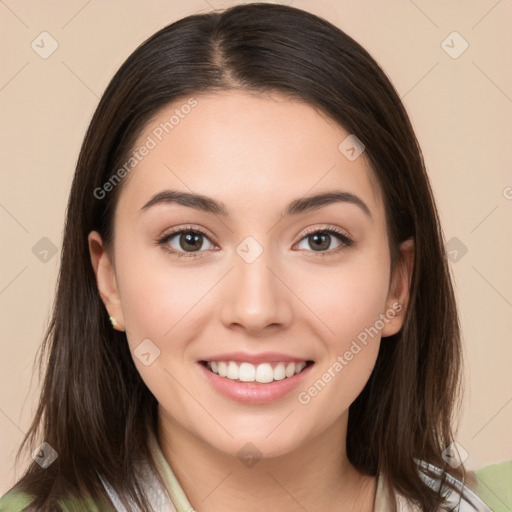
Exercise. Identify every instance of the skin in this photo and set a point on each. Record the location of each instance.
(255, 154)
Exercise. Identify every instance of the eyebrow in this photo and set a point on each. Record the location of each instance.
(298, 206)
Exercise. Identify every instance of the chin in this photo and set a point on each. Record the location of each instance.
(263, 443)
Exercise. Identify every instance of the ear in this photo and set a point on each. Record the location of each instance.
(106, 278)
(399, 289)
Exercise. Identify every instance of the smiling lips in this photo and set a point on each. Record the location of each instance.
(262, 373)
(255, 379)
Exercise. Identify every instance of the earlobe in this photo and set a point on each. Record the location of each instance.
(399, 289)
(106, 278)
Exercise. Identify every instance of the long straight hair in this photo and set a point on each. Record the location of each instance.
(95, 410)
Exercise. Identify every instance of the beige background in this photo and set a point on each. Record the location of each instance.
(460, 108)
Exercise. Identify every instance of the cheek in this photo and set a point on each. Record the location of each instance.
(165, 303)
(159, 301)
(350, 302)
(347, 298)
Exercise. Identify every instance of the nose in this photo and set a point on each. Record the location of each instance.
(257, 299)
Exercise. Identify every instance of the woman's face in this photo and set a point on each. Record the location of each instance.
(263, 289)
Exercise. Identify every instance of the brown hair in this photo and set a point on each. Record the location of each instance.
(94, 407)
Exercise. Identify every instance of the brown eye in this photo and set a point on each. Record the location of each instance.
(319, 241)
(186, 242)
(322, 240)
(190, 241)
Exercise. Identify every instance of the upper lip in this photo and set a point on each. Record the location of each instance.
(264, 357)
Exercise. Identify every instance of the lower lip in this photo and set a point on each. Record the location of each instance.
(254, 392)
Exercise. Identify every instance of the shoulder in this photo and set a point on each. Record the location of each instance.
(15, 501)
(494, 485)
(458, 496)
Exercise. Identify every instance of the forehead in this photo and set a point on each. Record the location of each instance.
(250, 151)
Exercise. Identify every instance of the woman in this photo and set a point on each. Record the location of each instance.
(253, 288)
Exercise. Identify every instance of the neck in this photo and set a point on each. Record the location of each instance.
(312, 477)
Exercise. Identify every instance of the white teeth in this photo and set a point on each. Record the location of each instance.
(232, 371)
(246, 373)
(223, 370)
(299, 367)
(279, 372)
(263, 373)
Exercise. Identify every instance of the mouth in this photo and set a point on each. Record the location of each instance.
(262, 373)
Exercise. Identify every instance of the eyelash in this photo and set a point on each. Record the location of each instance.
(346, 242)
